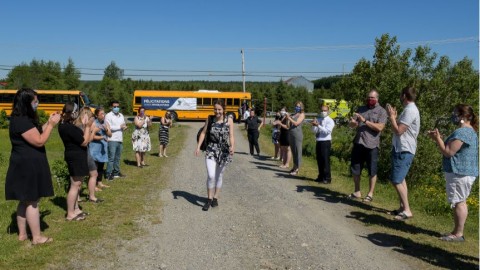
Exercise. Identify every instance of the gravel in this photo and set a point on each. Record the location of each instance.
(265, 220)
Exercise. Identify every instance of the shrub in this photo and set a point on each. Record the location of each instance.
(61, 174)
(42, 116)
(3, 119)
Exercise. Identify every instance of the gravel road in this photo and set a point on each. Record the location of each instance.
(265, 220)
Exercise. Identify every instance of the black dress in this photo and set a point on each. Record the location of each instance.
(75, 154)
(28, 175)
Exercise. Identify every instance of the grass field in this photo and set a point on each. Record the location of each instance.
(132, 200)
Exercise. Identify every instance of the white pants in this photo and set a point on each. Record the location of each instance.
(214, 174)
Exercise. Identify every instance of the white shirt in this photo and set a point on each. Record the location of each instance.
(407, 142)
(323, 132)
(115, 121)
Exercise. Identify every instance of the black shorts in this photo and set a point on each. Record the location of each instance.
(362, 155)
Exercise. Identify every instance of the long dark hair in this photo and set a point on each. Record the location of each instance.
(22, 105)
(466, 111)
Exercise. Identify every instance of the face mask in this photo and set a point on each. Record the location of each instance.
(323, 114)
(116, 110)
(298, 109)
(34, 106)
(371, 102)
(142, 113)
(455, 119)
(282, 113)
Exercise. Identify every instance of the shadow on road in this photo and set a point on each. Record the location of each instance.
(432, 255)
(191, 198)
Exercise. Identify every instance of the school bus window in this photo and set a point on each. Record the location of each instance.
(236, 102)
(207, 101)
(199, 102)
(138, 100)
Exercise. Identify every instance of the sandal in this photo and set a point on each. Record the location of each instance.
(294, 172)
(48, 240)
(367, 199)
(452, 238)
(402, 216)
(353, 197)
(78, 217)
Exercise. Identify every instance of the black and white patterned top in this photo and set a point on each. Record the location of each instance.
(219, 143)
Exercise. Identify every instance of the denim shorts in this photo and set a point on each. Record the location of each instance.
(458, 187)
(401, 162)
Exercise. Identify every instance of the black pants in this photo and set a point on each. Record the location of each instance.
(322, 151)
(100, 170)
(253, 140)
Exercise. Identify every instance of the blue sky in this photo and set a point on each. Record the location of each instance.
(179, 39)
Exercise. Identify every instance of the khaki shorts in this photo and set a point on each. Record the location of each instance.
(458, 187)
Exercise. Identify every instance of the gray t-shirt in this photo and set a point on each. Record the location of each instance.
(365, 135)
(407, 142)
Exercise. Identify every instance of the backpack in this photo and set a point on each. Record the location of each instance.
(203, 147)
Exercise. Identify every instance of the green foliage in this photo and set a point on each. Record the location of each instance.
(42, 116)
(3, 119)
(113, 72)
(37, 75)
(71, 76)
(61, 175)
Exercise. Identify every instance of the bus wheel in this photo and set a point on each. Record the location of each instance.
(232, 115)
(174, 116)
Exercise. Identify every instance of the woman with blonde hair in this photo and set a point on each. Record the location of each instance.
(284, 124)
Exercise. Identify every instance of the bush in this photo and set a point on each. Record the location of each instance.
(42, 117)
(3, 119)
(61, 174)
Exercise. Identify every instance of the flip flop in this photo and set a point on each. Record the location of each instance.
(452, 238)
(353, 197)
(402, 216)
(48, 240)
(78, 217)
(367, 199)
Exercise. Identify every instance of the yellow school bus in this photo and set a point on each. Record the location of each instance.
(188, 105)
(49, 100)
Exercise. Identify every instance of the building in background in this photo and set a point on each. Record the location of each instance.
(300, 81)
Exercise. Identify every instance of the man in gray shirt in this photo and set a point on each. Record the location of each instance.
(404, 141)
(369, 120)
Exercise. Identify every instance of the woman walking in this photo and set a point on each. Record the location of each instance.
(460, 165)
(28, 176)
(163, 134)
(140, 137)
(219, 153)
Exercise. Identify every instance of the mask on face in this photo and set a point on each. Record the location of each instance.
(298, 109)
(35, 106)
(455, 119)
(371, 102)
(116, 110)
(282, 113)
(323, 114)
(142, 113)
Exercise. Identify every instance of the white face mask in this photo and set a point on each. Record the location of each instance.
(323, 114)
(282, 113)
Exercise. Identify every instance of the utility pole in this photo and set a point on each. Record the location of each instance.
(243, 68)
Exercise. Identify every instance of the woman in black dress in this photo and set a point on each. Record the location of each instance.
(28, 176)
(75, 141)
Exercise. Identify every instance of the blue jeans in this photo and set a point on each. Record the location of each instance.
(114, 154)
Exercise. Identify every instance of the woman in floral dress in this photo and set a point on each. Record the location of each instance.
(141, 137)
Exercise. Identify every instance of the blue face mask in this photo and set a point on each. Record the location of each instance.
(298, 109)
(455, 119)
(35, 106)
(116, 110)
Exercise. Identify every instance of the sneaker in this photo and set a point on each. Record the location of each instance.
(207, 205)
(119, 175)
(110, 177)
(214, 202)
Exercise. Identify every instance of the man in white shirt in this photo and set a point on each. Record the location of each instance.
(115, 143)
(322, 128)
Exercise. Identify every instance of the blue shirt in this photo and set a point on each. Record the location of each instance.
(465, 161)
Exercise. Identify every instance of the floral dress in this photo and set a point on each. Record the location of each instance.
(141, 138)
(219, 143)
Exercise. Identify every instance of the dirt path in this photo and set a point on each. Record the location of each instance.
(264, 221)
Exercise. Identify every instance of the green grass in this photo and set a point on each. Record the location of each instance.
(108, 223)
(418, 236)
